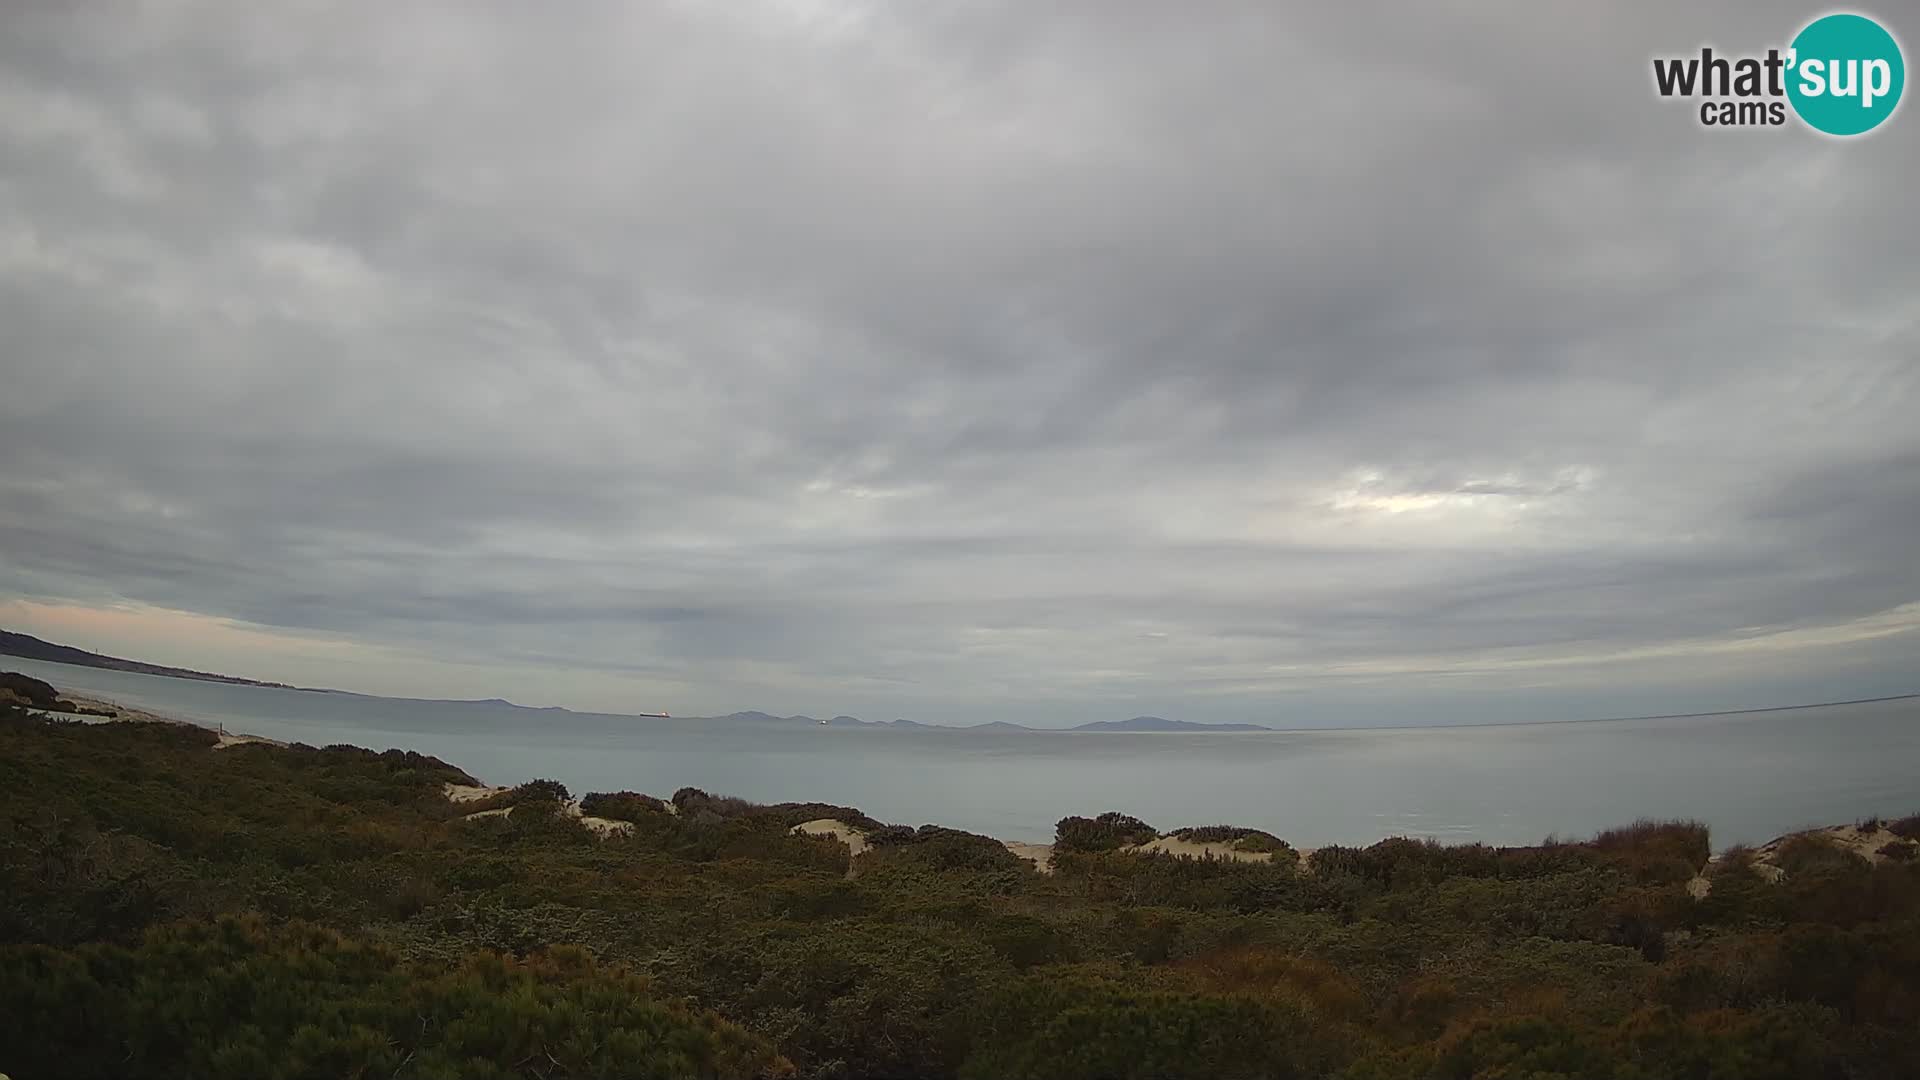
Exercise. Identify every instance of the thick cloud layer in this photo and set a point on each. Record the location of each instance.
(1236, 363)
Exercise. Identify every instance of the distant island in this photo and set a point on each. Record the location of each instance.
(1138, 723)
(1160, 723)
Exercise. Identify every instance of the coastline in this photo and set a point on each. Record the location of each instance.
(1865, 838)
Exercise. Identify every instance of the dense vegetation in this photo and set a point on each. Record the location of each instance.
(170, 910)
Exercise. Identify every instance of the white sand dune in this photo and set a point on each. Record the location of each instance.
(1864, 842)
(855, 839)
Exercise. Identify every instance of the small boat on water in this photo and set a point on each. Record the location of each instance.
(654, 715)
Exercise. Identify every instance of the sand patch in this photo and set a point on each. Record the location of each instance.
(855, 839)
(227, 740)
(1864, 842)
(459, 793)
(122, 713)
(1187, 849)
(1040, 855)
(602, 827)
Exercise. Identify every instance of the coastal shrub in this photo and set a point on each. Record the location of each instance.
(945, 849)
(1107, 832)
(1261, 843)
(542, 791)
(1906, 827)
(700, 807)
(891, 836)
(944, 955)
(1400, 862)
(621, 805)
(1162, 880)
(1811, 853)
(1054, 1028)
(1282, 974)
(1241, 839)
(1025, 941)
(1780, 1044)
(1656, 851)
(300, 1000)
(795, 813)
(1898, 851)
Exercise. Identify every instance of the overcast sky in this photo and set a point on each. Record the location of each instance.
(1049, 362)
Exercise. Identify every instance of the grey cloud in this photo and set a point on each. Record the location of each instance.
(947, 359)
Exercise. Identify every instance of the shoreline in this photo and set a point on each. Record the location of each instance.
(129, 714)
(1199, 728)
(1864, 838)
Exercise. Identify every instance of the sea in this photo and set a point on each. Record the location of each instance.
(1750, 776)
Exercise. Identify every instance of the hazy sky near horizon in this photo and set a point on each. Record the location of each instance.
(1066, 362)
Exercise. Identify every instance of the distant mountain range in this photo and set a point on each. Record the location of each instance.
(1160, 723)
(32, 648)
(1138, 723)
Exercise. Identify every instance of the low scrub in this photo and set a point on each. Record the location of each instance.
(1108, 832)
(622, 805)
(1240, 839)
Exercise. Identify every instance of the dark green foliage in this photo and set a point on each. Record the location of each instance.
(947, 849)
(1108, 832)
(1652, 850)
(1068, 1028)
(1250, 840)
(621, 805)
(465, 944)
(699, 806)
(542, 791)
(240, 999)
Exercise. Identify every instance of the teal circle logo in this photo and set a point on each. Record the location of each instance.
(1845, 74)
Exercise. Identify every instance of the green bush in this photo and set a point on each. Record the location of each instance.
(239, 999)
(621, 805)
(1108, 832)
(1063, 1028)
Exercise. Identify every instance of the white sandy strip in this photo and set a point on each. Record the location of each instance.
(130, 715)
(464, 793)
(1187, 849)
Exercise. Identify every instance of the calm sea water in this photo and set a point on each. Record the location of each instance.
(1751, 776)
